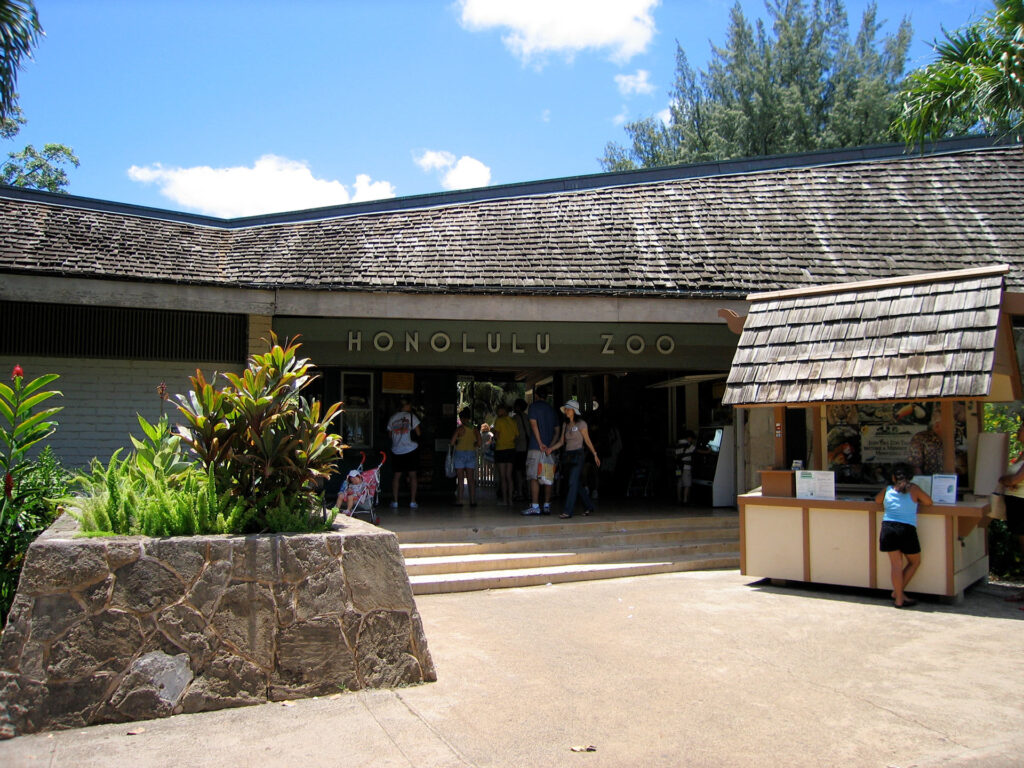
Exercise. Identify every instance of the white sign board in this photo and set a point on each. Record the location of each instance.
(924, 482)
(815, 485)
(943, 489)
(990, 463)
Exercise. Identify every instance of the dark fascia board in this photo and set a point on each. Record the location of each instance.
(525, 189)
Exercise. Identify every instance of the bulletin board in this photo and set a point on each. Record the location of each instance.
(864, 441)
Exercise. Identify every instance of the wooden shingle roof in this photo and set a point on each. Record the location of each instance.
(930, 336)
(696, 236)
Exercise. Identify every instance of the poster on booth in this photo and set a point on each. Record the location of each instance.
(944, 489)
(812, 484)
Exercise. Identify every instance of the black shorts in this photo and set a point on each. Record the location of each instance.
(1015, 514)
(405, 462)
(519, 462)
(505, 457)
(899, 537)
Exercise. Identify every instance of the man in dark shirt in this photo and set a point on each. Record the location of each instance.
(543, 433)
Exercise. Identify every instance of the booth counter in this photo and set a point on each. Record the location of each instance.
(836, 542)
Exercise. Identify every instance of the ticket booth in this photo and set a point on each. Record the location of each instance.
(885, 371)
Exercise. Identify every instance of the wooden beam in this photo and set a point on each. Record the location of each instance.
(948, 438)
(818, 446)
(780, 437)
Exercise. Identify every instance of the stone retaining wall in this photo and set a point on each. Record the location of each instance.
(129, 628)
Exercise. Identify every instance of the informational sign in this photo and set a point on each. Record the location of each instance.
(885, 443)
(944, 489)
(396, 383)
(864, 441)
(815, 485)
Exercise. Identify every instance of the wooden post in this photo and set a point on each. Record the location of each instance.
(780, 437)
(817, 439)
(948, 438)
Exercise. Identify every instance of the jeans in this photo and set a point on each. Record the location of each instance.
(574, 467)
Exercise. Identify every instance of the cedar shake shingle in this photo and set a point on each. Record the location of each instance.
(906, 352)
(700, 236)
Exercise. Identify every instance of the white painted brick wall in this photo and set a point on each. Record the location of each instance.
(102, 397)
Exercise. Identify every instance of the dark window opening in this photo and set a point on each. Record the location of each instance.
(62, 330)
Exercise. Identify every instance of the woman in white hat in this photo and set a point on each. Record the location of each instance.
(575, 436)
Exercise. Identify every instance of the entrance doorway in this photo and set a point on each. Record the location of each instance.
(482, 394)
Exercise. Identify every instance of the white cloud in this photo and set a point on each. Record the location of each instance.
(638, 83)
(665, 116)
(620, 118)
(272, 184)
(465, 173)
(431, 160)
(538, 27)
(545, 116)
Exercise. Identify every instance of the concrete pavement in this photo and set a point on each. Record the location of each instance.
(680, 669)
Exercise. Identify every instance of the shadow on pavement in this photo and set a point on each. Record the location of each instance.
(987, 600)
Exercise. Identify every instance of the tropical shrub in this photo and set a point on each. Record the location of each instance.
(154, 491)
(262, 441)
(250, 458)
(29, 485)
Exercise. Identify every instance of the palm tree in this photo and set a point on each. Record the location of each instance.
(975, 85)
(19, 32)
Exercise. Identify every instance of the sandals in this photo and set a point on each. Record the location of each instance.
(907, 603)
(565, 516)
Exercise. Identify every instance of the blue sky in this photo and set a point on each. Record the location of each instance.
(238, 107)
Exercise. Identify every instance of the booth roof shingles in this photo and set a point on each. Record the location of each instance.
(707, 236)
(924, 340)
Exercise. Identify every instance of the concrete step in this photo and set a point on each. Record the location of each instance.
(548, 551)
(527, 577)
(565, 540)
(545, 526)
(463, 563)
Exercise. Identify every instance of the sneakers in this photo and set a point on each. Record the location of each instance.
(546, 510)
(394, 505)
(532, 510)
(413, 505)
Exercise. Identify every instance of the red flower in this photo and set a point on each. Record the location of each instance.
(9, 485)
(17, 372)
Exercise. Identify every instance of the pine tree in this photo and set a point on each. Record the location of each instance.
(800, 86)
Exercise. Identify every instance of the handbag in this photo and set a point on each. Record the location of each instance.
(449, 462)
(547, 470)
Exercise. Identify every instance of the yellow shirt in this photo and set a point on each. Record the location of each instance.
(467, 440)
(507, 431)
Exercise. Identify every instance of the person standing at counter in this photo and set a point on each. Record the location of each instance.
(926, 446)
(1013, 490)
(899, 530)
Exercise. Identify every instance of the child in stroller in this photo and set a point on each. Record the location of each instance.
(360, 489)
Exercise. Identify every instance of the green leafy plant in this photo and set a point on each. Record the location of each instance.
(262, 441)
(29, 485)
(126, 497)
(1005, 558)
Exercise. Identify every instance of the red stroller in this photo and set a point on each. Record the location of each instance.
(366, 492)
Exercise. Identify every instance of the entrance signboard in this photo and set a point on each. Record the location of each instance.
(433, 343)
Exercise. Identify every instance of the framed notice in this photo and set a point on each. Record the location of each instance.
(815, 485)
(396, 383)
(943, 489)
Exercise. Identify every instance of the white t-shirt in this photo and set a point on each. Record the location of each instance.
(401, 426)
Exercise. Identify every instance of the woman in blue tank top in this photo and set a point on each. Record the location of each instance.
(899, 530)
